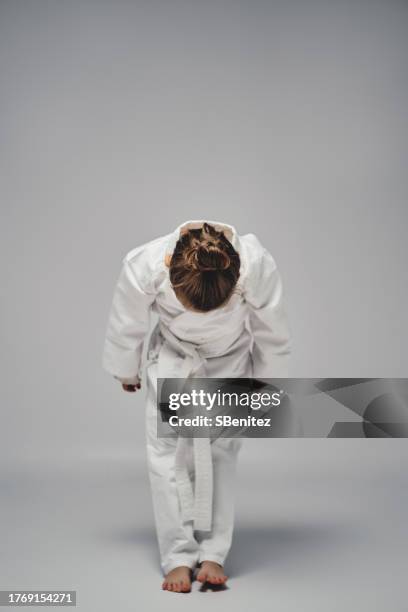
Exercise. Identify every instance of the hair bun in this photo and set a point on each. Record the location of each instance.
(204, 268)
(207, 257)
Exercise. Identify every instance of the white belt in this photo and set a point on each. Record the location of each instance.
(196, 505)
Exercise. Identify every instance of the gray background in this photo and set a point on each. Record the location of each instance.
(119, 121)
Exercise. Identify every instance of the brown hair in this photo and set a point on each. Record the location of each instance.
(204, 268)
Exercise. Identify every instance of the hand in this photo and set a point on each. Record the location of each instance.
(129, 384)
(131, 388)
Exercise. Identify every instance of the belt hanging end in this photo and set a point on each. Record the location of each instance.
(202, 524)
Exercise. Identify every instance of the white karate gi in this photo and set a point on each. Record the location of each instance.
(192, 480)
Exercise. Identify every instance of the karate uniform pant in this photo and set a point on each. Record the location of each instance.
(179, 543)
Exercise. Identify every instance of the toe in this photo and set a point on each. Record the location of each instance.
(214, 579)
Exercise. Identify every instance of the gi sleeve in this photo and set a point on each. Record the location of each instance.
(268, 319)
(128, 323)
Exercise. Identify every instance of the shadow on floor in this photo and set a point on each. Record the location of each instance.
(258, 547)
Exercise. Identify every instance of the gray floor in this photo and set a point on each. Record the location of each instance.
(322, 527)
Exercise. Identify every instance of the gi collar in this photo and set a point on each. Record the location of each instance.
(229, 232)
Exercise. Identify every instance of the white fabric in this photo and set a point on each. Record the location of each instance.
(179, 541)
(195, 505)
(248, 336)
(131, 380)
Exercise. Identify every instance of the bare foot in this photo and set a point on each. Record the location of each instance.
(211, 572)
(178, 580)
